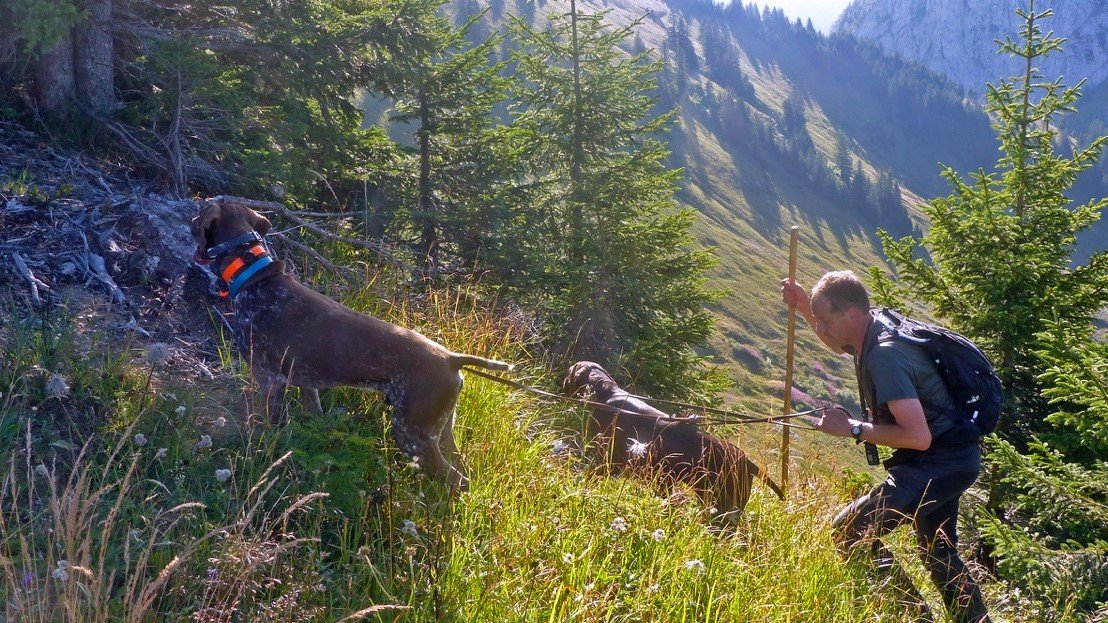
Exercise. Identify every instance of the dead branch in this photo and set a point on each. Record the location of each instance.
(96, 267)
(338, 270)
(35, 282)
(292, 216)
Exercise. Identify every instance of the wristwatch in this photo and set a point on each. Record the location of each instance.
(856, 431)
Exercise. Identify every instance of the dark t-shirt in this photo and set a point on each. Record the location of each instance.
(897, 370)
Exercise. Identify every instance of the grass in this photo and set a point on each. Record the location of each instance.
(178, 506)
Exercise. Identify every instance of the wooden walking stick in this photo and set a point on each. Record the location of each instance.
(789, 365)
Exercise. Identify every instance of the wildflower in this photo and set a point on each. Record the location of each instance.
(28, 580)
(40, 470)
(57, 387)
(160, 454)
(364, 551)
(157, 353)
(567, 558)
(220, 422)
(409, 527)
(694, 565)
(222, 474)
(205, 441)
(658, 535)
(213, 573)
(636, 448)
(140, 440)
(180, 410)
(619, 524)
(414, 464)
(559, 447)
(61, 573)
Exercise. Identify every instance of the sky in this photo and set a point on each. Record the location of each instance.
(822, 12)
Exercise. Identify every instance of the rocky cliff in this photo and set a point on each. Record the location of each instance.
(957, 37)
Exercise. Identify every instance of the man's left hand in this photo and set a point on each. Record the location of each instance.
(836, 421)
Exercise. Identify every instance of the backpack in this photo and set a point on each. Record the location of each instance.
(964, 369)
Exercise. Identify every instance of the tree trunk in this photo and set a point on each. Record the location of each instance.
(53, 86)
(94, 60)
(429, 240)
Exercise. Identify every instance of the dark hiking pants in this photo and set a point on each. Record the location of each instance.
(929, 499)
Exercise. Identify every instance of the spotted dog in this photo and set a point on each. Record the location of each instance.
(294, 336)
(630, 435)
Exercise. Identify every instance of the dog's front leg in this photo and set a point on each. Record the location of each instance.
(273, 390)
(310, 396)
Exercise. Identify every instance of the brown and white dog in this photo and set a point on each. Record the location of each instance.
(293, 336)
(633, 435)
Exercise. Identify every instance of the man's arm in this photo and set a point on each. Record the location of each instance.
(909, 430)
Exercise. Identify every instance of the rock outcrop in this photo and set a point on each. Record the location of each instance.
(958, 37)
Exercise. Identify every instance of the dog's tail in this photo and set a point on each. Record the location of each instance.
(473, 360)
(760, 475)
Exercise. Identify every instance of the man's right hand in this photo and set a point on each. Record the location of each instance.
(794, 294)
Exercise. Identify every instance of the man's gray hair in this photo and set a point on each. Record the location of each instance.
(842, 289)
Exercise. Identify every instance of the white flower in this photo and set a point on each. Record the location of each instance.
(205, 441)
(567, 558)
(559, 447)
(658, 535)
(57, 387)
(180, 410)
(61, 573)
(157, 353)
(160, 454)
(222, 475)
(694, 565)
(619, 524)
(40, 470)
(636, 448)
(140, 440)
(220, 422)
(409, 527)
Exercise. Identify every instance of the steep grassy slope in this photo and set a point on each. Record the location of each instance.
(184, 507)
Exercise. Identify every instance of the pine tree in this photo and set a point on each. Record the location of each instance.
(1002, 243)
(448, 89)
(606, 239)
(1003, 273)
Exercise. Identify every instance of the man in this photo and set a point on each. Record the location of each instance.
(935, 459)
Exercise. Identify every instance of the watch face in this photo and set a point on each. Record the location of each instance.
(856, 430)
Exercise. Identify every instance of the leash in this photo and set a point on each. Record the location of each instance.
(723, 417)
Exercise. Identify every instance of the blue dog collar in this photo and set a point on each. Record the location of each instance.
(241, 279)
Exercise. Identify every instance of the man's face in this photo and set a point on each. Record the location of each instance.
(833, 327)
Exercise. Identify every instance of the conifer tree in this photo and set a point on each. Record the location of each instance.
(448, 89)
(1003, 273)
(605, 238)
(1003, 242)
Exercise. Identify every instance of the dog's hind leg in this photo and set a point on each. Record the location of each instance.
(423, 445)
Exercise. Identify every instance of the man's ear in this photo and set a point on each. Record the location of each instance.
(258, 222)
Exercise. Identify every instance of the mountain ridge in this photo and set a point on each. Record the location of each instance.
(957, 37)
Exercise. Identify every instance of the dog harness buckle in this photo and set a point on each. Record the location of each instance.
(242, 268)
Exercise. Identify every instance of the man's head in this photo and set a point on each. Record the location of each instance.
(840, 305)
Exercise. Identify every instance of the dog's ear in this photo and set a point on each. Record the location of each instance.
(571, 385)
(567, 383)
(209, 214)
(258, 222)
